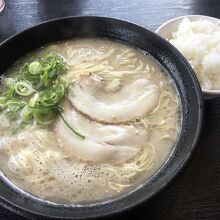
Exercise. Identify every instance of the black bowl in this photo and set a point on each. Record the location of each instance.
(177, 67)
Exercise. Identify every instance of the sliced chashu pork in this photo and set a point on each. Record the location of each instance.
(133, 99)
(102, 143)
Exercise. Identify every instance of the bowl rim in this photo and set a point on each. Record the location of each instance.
(208, 92)
(26, 212)
(182, 17)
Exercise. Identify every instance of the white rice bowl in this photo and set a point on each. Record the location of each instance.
(199, 42)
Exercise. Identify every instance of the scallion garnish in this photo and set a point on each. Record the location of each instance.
(37, 90)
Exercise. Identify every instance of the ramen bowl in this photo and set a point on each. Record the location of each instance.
(168, 57)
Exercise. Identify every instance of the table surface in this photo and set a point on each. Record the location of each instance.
(196, 192)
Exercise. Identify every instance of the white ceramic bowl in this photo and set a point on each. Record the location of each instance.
(166, 29)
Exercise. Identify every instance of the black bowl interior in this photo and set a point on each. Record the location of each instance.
(164, 53)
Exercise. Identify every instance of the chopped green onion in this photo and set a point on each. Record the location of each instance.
(2, 102)
(27, 114)
(63, 81)
(35, 68)
(51, 97)
(44, 118)
(23, 88)
(9, 84)
(68, 125)
(26, 75)
(14, 105)
(37, 90)
(33, 100)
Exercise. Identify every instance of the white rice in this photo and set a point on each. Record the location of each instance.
(199, 42)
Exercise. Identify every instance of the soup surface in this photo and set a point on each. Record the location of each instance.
(116, 123)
